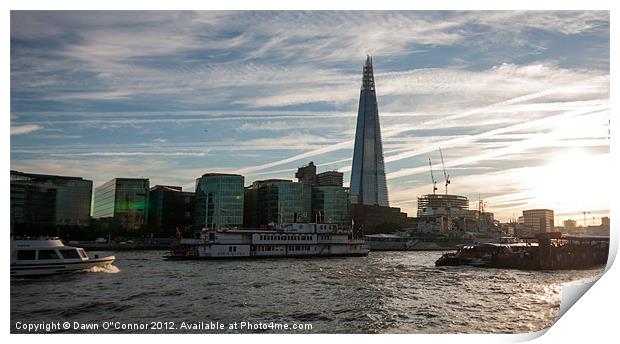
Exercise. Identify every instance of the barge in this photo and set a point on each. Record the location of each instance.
(285, 240)
(548, 251)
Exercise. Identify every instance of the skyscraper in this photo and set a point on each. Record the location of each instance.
(368, 186)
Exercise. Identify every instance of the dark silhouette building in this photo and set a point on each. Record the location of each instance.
(170, 207)
(307, 174)
(49, 200)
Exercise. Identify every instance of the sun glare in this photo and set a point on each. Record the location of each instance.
(571, 182)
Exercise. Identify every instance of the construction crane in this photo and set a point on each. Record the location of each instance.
(584, 218)
(481, 204)
(445, 175)
(432, 177)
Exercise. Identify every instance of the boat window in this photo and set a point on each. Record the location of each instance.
(69, 254)
(48, 254)
(83, 254)
(26, 255)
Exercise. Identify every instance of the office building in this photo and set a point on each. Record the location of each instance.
(538, 220)
(330, 178)
(332, 204)
(219, 201)
(375, 219)
(368, 184)
(170, 208)
(307, 174)
(123, 202)
(570, 225)
(50, 200)
(276, 201)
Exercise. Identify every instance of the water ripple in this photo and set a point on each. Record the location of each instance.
(386, 292)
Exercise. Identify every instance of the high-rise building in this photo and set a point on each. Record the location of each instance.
(41, 199)
(538, 220)
(277, 201)
(329, 178)
(219, 201)
(170, 207)
(570, 224)
(368, 185)
(307, 174)
(124, 202)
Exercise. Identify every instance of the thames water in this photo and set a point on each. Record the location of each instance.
(386, 292)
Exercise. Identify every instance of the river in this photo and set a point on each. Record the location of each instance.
(386, 292)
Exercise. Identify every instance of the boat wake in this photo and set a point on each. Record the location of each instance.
(109, 269)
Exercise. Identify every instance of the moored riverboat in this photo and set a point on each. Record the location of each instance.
(285, 240)
(546, 251)
(516, 255)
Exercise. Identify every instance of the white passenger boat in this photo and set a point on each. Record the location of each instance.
(286, 240)
(50, 256)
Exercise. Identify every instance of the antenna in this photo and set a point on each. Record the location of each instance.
(432, 177)
(445, 175)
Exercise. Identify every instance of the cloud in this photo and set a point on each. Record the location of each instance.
(24, 129)
(112, 56)
(257, 92)
(568, 83)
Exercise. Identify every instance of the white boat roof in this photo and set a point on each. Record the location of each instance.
(382, 235)
(34, 244)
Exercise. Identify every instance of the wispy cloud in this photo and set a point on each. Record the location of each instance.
(260, 93)
(24, 129)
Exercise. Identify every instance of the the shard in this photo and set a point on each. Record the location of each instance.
(368, 184)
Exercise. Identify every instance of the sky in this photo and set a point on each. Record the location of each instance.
(517, 101)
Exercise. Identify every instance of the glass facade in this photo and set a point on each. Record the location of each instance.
(332, 204)
(368, 184)
(278, 201)
(49, 199)
(170, 207)
(219, 201)
(125, 200)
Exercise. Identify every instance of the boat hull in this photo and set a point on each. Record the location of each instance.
(357, 254)
(60, 267)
